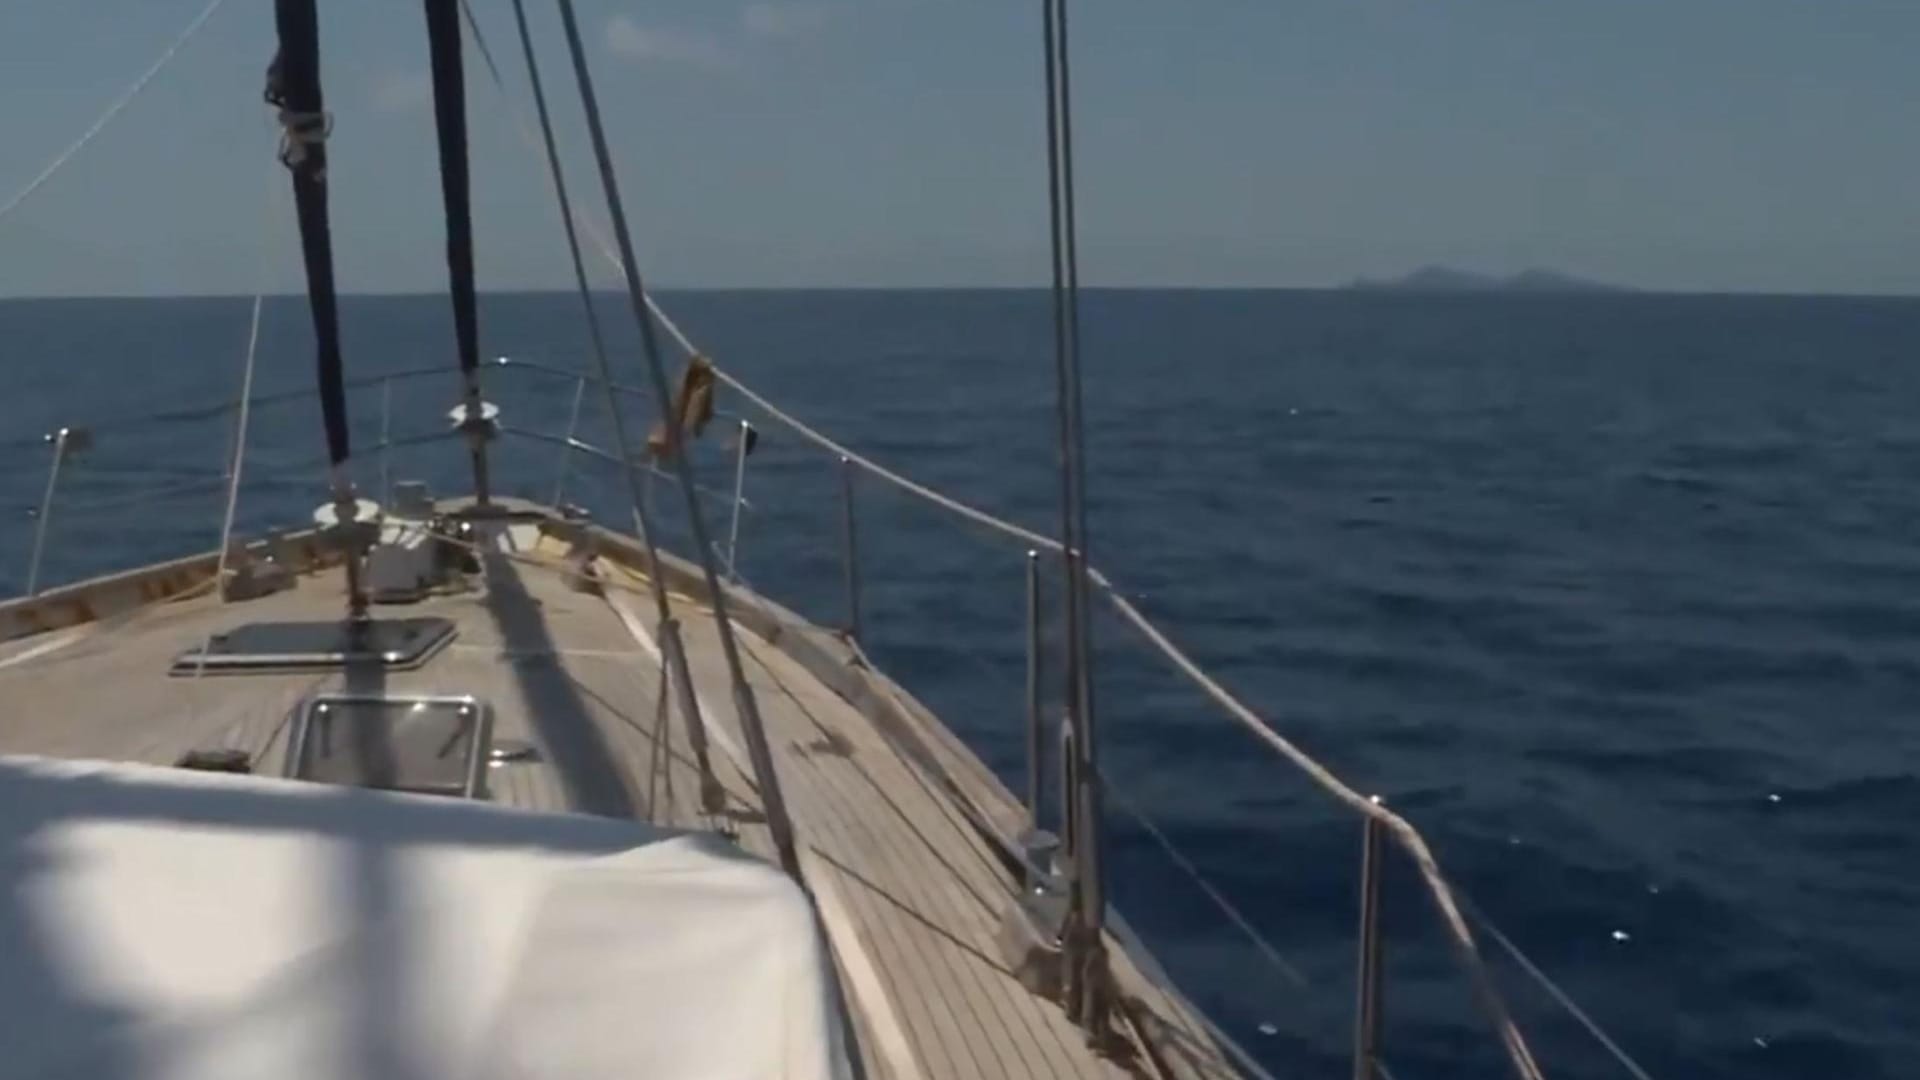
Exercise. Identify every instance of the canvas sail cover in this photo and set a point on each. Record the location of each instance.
(171, 924)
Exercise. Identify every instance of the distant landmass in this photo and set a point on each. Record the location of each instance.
(1450, 279)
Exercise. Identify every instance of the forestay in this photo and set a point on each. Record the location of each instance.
(167, 923)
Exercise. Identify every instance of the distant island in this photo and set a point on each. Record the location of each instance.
(1447, 279)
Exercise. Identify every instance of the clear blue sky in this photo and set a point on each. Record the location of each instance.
(1695, 144)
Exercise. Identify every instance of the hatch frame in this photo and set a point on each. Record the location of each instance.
(431, 634)
(479, 752)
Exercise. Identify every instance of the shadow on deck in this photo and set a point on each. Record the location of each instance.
(558, 716)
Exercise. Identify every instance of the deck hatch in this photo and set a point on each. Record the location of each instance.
(393, 644)
(431, 745)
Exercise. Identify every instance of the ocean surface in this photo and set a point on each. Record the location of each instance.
(1616, 597)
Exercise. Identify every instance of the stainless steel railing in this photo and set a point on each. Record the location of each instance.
(72, 446)
(1378, 823)
(1381, 828)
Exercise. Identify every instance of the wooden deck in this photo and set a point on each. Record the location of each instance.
(900, 829)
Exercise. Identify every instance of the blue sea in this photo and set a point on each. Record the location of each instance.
(1616, 597)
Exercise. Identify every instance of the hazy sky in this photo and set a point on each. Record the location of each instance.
(1699, 144)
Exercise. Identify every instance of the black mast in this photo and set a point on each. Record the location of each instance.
(293, 86)
(450, 122)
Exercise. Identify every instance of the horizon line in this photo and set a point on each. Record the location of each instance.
(1348, 288)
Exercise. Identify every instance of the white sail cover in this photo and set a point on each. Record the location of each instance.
(165, 924)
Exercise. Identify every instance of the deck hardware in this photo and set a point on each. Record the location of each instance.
(249, 577)
(506, 752)
(1033, 926)
(479, 421)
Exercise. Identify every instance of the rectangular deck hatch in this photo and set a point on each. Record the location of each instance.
(392, 644)
(432, 745)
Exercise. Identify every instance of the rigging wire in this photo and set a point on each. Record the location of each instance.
(1553, 989)
(1265, 947)
(113, 109)
(749, 711)
(221, 408)
(673, 657)
(218, 483)
(586, 221)
(1089, 993)
(567, 217)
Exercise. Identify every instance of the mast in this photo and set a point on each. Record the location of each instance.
(471, 416)
(293, 86)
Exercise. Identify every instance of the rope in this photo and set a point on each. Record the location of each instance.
(114, 109)
(1409, 838)
(300, 132)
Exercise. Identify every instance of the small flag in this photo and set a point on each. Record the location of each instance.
(692, 405)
